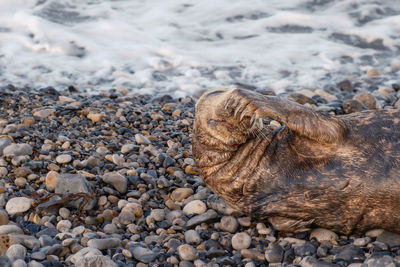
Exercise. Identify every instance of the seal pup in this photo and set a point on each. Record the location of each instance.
(337, 172)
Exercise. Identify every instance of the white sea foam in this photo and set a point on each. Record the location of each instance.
(180, 47)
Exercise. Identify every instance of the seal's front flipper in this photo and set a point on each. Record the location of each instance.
(298, 118)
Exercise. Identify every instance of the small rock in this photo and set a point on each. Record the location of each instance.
(325, 95)
(125, 149)
(64, 226)
(85, 252)
(274, 253)
(63, 159)
(362, 241)
(10, 229)
(15, 150)
(180, 194)
(192, 237)
(383, 261)
(35, 264)
(345, 86)
(202, 218)
(19, 263)
(244, 221)
(44, 113)
(373, 73)
(214, 202)
(187, 252)
(253, 254)
(323, 235)
(351, 106)
(228, 224)
(143, 254)
(104, 243)
(262, 229)
(4, 142)
(95, 261)
(18, 205)
(374, 233)
(3, 217)
(51, 180)
(142, 140)
(241, 241)
(389, 238)
(94, 117)
(117, 180)
(195, 207)
(367, 99)
(305, 249)
(15, 252)
(313, 262)
(64, 212)
(3, 171)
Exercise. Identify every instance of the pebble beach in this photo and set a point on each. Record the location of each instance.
(108, 179)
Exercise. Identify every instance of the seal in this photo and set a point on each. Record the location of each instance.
(337, 172)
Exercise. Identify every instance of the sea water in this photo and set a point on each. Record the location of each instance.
(180, 47)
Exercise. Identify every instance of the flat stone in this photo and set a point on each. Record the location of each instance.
(35, 264)
(9, 229)
(384, 261)
(18, 205)
(63, 159)
(180, 194)
(104, 243)
(75, 183)
(202, 218)
(15, 150)
(389, 238)
(274, 253)
(117, 180)
(195, 207)
(44, 113)
(253, 254)
(143, 254)
(19, 263)
(125, 149)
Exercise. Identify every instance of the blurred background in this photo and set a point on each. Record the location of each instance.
(180, 47)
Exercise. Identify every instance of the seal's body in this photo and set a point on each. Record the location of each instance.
(340, 173)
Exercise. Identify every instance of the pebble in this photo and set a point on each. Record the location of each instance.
(274, 253)
(195, 207)
(104, 243)
(351, 106)
(143, 254)
(3, 171)
(15, 150)
(117, 180)
(389, 238)
(241, 241)
(64, 226)
(51, 180)
(18, 205)
(187, 252)
(321, 234)
(95, 261)
(125, 149)
(95, 117)
(192, 237)
(142, 140)
(228, 224)
(15, 252)
(202, 218)
(83, 253)
(362, 241)
(19, 263)
(180, 194)
(4, 142)
(44, 113)
(367, 99)
(63, 159)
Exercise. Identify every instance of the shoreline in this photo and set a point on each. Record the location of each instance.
(109, 179)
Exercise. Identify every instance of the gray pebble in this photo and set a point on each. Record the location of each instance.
(64, 225)
(274, 253)
(4, 142)
(117, 180)
(195, 207)
(19, 263)
(142, 140)
(95, 261)
(15, 252)
(389, 238)
(104, 243)
(192, 237)
(35, 264)
(362, 241)
(205, 217)
(143, 254)
(18, 205)
(15, 150)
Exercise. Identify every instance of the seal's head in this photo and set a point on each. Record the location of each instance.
(223, 130)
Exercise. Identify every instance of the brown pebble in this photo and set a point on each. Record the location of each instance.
(191, 170)
(367, 99)
(113, 199)
(172, 205)
(28, 121)
(53, 167)
(20, 181)
(373, 72)
(3, 217)
(180, 194)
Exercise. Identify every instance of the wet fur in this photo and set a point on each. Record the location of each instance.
(340, 173)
